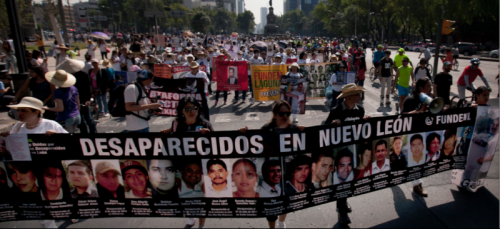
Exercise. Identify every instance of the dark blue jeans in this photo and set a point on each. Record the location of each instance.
(86, 121)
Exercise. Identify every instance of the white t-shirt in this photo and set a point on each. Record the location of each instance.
(46, 125)
(130, 195)
(87, 67)
(306, 61)
(337, 87)
(116, 66)
(201, 75)
(133, 122)
(102, 47)
(253, 61)
(295, 101)
(421, 74)
(90, 50)
(169, 62)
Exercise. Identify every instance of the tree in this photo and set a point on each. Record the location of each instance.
(201, 22)
(246, 22)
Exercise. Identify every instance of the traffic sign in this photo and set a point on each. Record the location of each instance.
(151, 13)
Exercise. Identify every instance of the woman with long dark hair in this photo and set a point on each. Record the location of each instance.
(278, 123)
(190, 119)
(52, 182)
(40, 89)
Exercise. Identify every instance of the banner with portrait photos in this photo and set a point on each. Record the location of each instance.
(168, 93)
(232, 75)
(225, 173)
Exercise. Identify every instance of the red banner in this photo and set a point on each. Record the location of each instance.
(291, 60)
(232, 76)
(163, 71)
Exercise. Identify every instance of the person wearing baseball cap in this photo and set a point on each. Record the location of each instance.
(108, 181)
(348, 111)
(398, 59)
(136, 179)
(442, 84)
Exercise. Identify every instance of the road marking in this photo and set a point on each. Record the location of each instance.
(252, 116)
(222, 118)
(163, 120)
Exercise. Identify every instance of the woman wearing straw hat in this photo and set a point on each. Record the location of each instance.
(346, 112)
(111, 74)
(66, 98)
(30, 112)
(62, 55)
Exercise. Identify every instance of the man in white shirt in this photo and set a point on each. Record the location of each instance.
(189, 58)
(217, 172)
(271, 172)
(196, 73)
(381, 164)
(417, 151)
(141, 59)
(298, 97)
(294, 73)
(343, 166)
(189, 186)
(137, 103)
(254, 60)
(169, 58)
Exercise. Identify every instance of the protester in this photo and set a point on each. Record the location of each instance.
(111, 74)
(31, 122)
(10, 57)
(41, 45)
(337, 87)
(442, 84)
(360, 76)
(386, 72)
(377, 58)
(347, 111)
(137, 104)
(422, 71)
(103, 47)
(100, 86)
(115, 61)
(91, 48)
(197, 74)
(413, 105)
(38, 62)
(403, 80)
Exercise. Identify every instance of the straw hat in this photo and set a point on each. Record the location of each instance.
(288, 51)
(277, 56)
(142, 53)
(194, 64)
(29, 102)
(60, 78)
(210, 49)
(295, 65)
(350, 89)
(71, 66)
(63, 47)
(189, 56)
(106, 63)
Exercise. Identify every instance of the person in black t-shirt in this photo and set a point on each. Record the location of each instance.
(387, 72)
(413, 105)
(347, 112)
(190, 119)
(442, 84)
(279, 122)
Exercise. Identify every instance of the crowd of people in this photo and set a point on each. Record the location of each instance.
(64, 96)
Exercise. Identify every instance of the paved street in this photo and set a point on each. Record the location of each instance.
(446, 206)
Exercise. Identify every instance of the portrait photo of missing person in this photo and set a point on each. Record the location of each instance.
(321, 167)
(464, 135)
(416, 147)
(433, 142)
(380, 163)
(297, 96)
(162, 178)
(218, 180)
(24, 180)
(398, 157)
(272, 174)
(344, 163)
(364, 160)
(136, 179)
(449, 142)
(191, 183)
(52, 181)
(80, 178)
(298, 174)
(245, 178)
(5, 154)
(109, 179)
(232, 75)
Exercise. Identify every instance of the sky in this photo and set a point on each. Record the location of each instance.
(251, 5)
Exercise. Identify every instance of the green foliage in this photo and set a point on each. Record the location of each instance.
(246, 22)
(201, 22)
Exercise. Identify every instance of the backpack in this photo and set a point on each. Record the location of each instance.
(116, 104)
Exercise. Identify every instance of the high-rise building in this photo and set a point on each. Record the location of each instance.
(241, 6)
(82, 19)
(263, 16)
(308, 5)
(290, 5)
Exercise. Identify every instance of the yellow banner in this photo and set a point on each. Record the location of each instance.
(266, 81)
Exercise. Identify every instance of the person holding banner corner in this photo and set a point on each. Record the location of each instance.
(348, 111)
(413, 105)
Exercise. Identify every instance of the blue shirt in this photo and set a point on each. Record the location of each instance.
(111, 74)
(1, 88)
(378, 55)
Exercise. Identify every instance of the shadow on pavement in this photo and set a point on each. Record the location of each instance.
(468, 210)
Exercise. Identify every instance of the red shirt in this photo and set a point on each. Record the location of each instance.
(361, 74)
(473, 74)
(357, 62)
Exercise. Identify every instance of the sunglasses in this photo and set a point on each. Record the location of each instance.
(281, 114)
(188, 109)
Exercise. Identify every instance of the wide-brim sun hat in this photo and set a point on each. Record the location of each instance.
(350, 89)
(106, 63)
(29, 102)
(71, 66)
(295, 64)
(194, 64)
(63, 47)
(60, 78)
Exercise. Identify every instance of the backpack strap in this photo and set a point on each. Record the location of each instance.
(137, 102)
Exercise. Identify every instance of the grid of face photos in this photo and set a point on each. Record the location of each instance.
(257, 177)
(319, 78)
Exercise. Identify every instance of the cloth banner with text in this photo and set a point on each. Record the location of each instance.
(232, 76)
(168, 92)
(266, 81)
(177, 170)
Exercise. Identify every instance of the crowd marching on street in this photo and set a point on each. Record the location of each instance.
(61, 98)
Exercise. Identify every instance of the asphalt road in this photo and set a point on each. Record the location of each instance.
(394, 207)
